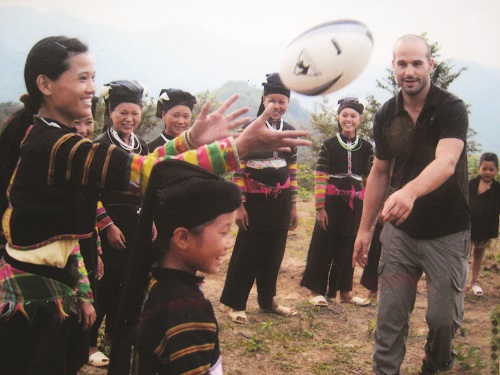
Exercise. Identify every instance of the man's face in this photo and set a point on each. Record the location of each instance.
(412, 67)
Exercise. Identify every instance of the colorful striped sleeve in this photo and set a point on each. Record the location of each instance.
(102, 218)
(239, 178)
(294, 185)
(83, 290)
(320, 179)
(219, 157)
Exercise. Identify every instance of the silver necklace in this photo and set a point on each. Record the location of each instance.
(350, 146)
(134, 141)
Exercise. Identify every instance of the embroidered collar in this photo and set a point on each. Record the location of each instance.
(349, 146)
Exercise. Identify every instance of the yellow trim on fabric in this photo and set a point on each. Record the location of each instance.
(71, 154)
(53, 153)
(88, 163)
(105, 166)
(54, 254)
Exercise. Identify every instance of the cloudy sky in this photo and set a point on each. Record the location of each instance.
(465, 29)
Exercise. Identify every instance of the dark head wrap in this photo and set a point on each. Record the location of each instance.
(95, 100)
(178, 195)
(171, 97)
(350, 102)
(272, 86)
(122, 91)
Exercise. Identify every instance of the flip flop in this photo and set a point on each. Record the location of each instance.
(357, 301)
(477, 290)
(281, 310)
(318, 301)
(238, 316)
(98, 359)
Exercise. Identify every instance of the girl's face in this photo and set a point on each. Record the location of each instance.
(349, 120)
(84, 127)
(126, 117)
(70, 96)
(209, 248)
(488, 171)
(280, 104)
(177, 119)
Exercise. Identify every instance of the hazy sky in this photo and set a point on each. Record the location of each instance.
(465, 29)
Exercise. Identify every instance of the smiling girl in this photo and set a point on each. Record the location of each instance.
(344, 162)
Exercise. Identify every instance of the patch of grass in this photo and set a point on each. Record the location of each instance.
(343, 355)
(469, 359)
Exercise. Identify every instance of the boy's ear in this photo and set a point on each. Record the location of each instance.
(181, 238)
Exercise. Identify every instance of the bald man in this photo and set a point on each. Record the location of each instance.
(420, 136)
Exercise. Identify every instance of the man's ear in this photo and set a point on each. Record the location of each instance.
(44, 84)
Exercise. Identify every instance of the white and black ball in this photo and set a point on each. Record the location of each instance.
(326, 57)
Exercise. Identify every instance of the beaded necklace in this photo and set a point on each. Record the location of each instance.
(134, 145)
(349, 146)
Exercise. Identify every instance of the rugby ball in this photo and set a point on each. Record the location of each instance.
(326, 57)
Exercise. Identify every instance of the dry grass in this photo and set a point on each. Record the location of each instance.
(338, 339)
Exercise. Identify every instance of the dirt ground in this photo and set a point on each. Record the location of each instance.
(339, 339)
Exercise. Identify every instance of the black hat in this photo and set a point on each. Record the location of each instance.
(188, 196)
(272, 86)
(122, 91)
(171, 97)
(350, 103)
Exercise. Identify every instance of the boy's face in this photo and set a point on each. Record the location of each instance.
(488, 171)
(211, 246)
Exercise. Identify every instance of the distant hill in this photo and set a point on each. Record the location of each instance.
(184, 58)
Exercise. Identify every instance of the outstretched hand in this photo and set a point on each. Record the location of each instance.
(210, 127)
(258, 137)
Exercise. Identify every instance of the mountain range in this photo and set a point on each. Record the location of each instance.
(198, 60)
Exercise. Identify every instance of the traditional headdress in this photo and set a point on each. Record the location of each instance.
(350, 102)
(171, 97)
(122, 91)
(272, 86)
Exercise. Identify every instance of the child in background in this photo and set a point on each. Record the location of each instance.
(177, 330)
(484, 202)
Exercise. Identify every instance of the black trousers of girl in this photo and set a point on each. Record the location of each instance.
(329, 259)
(329, 263)
(258, 252)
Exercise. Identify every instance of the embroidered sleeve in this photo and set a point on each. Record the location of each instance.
(292, 172)
(102, 218)
(219, 157)
(321, 177)
(83, 290)
(239, 178)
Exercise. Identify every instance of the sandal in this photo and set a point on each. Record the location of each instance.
(98, 359)
(319, 301)
(238, 316)
(357, 301)
(477, 290)
(281, 310)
